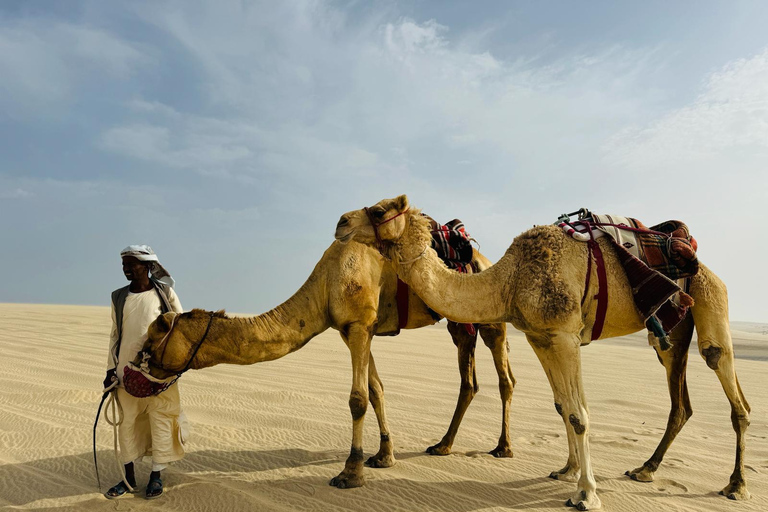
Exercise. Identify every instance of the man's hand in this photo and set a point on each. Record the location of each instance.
(111, 376)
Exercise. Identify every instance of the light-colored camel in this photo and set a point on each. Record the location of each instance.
(537, 286)
(352, 289)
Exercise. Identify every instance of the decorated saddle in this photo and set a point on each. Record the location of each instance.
(657, 260)
(452, 244)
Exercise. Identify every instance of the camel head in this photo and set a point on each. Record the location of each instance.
(173, 339)
(386, 218)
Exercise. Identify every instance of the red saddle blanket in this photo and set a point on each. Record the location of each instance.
(452, 243)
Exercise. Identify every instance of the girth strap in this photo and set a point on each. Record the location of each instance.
(602, 286)
(402, 304)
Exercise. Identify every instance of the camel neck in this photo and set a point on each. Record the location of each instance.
(271, 335)
(458, 297)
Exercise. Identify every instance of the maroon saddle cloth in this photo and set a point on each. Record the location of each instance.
(660, 255)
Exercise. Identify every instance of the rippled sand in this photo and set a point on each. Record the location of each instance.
(270, 436)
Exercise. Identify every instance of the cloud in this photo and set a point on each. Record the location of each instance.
(17, 193)
(194, 147)
(705, 163)
(727, 123)
(292, 112)
(45, 61)
(300, 90)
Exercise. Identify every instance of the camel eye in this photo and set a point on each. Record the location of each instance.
(378, 212)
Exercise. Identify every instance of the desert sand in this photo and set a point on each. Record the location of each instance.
(270, 436)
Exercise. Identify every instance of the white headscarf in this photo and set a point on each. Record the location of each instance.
(145, 253)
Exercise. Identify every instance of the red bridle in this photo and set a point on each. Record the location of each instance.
(375, 225)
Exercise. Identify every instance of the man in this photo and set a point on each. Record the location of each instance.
(151, 425)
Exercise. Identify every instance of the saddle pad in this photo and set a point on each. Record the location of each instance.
(668, 247)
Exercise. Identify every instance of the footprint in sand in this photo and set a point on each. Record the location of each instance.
(623, 442)
(670, 487)
(542, 439)
(676, 463)
(648, 431)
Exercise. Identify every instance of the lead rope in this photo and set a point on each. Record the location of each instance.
(115, 421)
(417, 258)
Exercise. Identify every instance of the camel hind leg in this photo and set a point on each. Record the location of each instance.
(675, 361)
(710, 314)
(466, 344)
(495, 338)
(385, 457)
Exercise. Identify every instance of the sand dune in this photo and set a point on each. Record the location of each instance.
(270, 436)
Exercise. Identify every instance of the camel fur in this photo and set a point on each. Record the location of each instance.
(351, 289)
(537, 286)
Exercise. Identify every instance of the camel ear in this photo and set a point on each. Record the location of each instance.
(401, 203)
(165, 321)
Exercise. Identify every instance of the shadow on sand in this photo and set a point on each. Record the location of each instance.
(226, 478)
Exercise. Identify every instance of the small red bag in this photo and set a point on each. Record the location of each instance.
(138, 384)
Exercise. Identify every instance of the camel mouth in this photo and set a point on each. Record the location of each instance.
(344, 237)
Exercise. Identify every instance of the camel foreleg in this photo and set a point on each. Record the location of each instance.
(385, 457)
(675, 361)
(357, 336)
(560, 356)
(572, 470)
(466, 352)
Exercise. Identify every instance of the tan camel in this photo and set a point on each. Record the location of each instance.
(537, 286)
(352, 289)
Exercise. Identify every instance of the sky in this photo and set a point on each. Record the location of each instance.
(231, 135)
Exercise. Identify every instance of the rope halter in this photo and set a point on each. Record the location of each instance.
(376, 225)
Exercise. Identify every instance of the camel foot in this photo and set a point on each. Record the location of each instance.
(584, 500)
(641, 474)
(567, 474)
(381, 461)
(736, 491)
(346, 480)
(439, 449)
(500, 452)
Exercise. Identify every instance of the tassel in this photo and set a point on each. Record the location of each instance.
(686, 300)
(654, 326)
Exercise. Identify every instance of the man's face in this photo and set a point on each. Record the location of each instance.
(133, 268)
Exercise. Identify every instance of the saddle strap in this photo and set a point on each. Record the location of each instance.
(602, 290)
(402, 304)
(593, 250)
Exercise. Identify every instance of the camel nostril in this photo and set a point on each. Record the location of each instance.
(342, 222)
